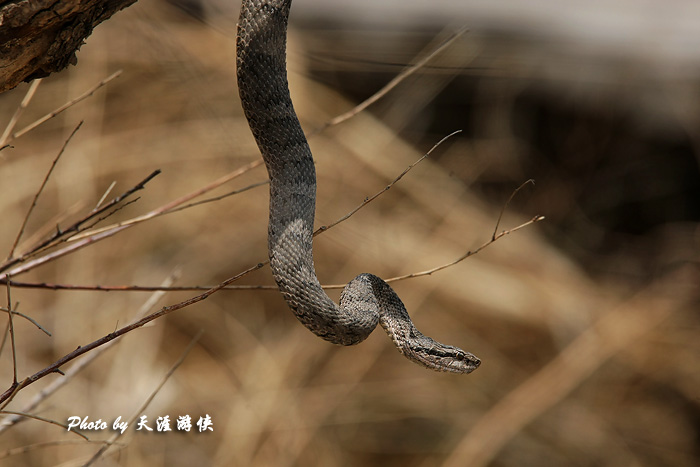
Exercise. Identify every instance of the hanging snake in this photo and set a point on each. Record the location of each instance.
(367, 300)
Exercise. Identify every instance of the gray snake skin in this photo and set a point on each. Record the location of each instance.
(367, 299)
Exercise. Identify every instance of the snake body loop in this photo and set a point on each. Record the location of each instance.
(367, 299)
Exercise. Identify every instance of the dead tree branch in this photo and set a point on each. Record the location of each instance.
(40, 37)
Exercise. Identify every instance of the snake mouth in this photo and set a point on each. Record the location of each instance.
(441, 357)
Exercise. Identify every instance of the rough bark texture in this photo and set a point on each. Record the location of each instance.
(39, 37)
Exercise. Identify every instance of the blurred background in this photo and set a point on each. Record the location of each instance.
(586, 323)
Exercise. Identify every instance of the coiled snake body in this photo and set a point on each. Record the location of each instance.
(367, 299)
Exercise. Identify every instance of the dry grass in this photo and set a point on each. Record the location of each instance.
(576, 370)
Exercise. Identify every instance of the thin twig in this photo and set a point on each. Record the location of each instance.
(503, 209)
(85, 238)
(47, 420)
(75, 227)
(14, 392)
(12, 335)
(28, 318)
(31, 447)
(48, 228)
(41, 189)
(78, 366)
(4, 337)
(147, 402)
(132, 288)
(171, 206)
(103, 232)
(140, 288)
(59, 253)
(18, 112)
(366, 201)
(390, 85)
(463, 257)
(106, 193)
(65, 106)
(55, 367)
(220, 197)
(106, 216)
(324, 228)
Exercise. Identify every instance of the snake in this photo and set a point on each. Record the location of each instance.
(366, 300)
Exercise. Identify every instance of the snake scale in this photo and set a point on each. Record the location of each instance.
(367, 299)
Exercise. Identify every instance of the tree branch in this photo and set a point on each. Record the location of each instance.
(40, 37)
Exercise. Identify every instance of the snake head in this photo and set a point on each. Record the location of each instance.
(440, 357)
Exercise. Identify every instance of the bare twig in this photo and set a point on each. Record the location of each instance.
(104, 196)
(60, 234)
(14, 392)
(140, 288)
(28, 318)
(391, 84)
(40, 190)
(47, 420)
(464, 256)
(84, 362)
(83, 238)
(366, 201)
(55, 367)
(505, 206)
(175, 204)
(147, 402)
(59, 253)
(31, 447)
(18, 113)
(4, 337)
(106, 216)
(220, 197)
(12, 335)
(324, 228)
(133, 288)
(88, 237)
(48, 228)
(64, 107)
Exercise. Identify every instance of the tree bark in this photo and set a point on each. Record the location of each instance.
(40, 37)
